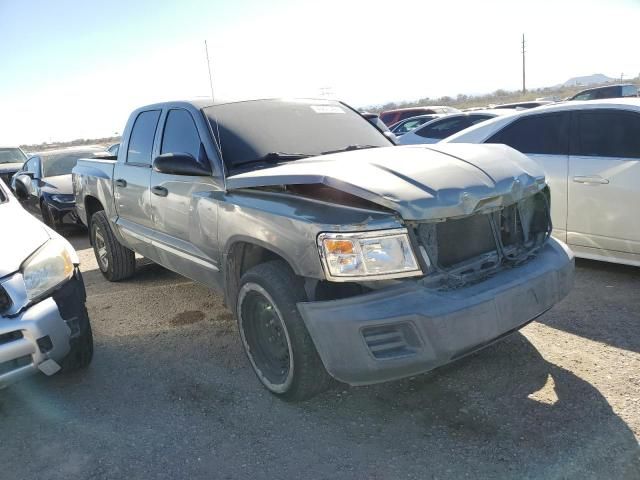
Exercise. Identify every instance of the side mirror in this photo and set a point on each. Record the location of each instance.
(391, 136)
(24, 185)
(180, 164)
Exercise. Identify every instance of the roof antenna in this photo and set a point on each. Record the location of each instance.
(206, 51)
(217, 136)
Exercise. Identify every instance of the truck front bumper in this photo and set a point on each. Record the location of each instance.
(38, 337)
(409, 329)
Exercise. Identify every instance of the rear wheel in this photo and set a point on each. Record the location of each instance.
(273, 333)
(116, 262)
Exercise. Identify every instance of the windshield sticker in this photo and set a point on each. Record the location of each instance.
(326, 109)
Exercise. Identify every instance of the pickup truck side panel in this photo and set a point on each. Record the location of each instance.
(289, 225)
(92, 183)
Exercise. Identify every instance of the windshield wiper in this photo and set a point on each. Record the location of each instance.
(348, 148)
(272, 158)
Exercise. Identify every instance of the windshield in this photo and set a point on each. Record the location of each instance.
(62, 163)
(252, 130)
(12, 155)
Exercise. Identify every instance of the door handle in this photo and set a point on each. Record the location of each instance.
(592, 180)
(121, 182)
(160, 191)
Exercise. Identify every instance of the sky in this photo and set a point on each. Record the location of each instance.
(76, 69)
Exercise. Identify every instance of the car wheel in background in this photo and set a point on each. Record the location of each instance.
(115, 261)
(47, 216)
(273, 333)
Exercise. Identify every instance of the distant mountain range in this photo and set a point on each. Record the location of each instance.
(596, 78)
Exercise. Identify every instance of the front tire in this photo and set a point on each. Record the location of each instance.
(47, 216)
(81, 352)
(116, 262)
(273, 333)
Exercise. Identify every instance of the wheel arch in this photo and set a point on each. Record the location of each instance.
(240, 255)
(91, 206)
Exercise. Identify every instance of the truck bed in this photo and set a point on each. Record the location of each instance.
(93, 178)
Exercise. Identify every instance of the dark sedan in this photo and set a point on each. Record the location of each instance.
(43, 185)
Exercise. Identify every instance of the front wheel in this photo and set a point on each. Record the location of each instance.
(273, 333)
(81, 351)
(47, 216)
(116, 262)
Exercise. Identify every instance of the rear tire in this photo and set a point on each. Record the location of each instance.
(273, 333)
(116, 262)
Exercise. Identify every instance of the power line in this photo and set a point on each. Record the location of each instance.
(524, 83)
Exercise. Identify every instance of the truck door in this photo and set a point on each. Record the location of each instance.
(131, 177)
(183, 206)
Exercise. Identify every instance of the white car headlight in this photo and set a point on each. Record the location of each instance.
(374, 255)
(47, 268)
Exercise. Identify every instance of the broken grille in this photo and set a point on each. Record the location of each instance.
(472, 247)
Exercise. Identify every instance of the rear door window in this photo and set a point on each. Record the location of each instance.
(473, 119)
(180, 134)
(608, 134)
(444, 128)
(142, 135)
(539, 134)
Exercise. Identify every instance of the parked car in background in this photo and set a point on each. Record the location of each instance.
(436, 130)
(608, 91)
(44, 326)
(374, 119)
(590, 152)
(43, 185)
(391, 117)
(337, 256)
(523, 105)
(11, 159)
(408, 124)
(113, 149)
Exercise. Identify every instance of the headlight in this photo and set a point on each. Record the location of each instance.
(47, 268)
(63, 198)
(367, 255)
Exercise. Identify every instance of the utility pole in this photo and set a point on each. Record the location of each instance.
(524, 83)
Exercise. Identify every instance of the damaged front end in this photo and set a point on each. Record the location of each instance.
(458, 251)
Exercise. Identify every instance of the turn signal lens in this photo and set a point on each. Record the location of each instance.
(338, 246)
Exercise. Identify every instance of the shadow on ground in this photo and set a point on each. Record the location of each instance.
(604, 305)
(183, 403)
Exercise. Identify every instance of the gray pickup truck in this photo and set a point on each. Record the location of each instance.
(339, 254)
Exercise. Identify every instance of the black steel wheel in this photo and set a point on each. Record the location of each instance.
(273, 333)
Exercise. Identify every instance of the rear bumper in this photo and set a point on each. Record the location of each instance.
(38, 338)
(409, 329)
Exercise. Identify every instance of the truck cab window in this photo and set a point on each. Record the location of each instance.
(180, 134)
(142, 134)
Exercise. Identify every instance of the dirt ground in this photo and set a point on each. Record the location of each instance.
(170, 395)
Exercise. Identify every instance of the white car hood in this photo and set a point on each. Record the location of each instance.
(21, 234)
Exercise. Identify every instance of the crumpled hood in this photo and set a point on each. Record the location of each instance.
(22, 234)
(10, 167)
(419, 182)
(60, 184)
